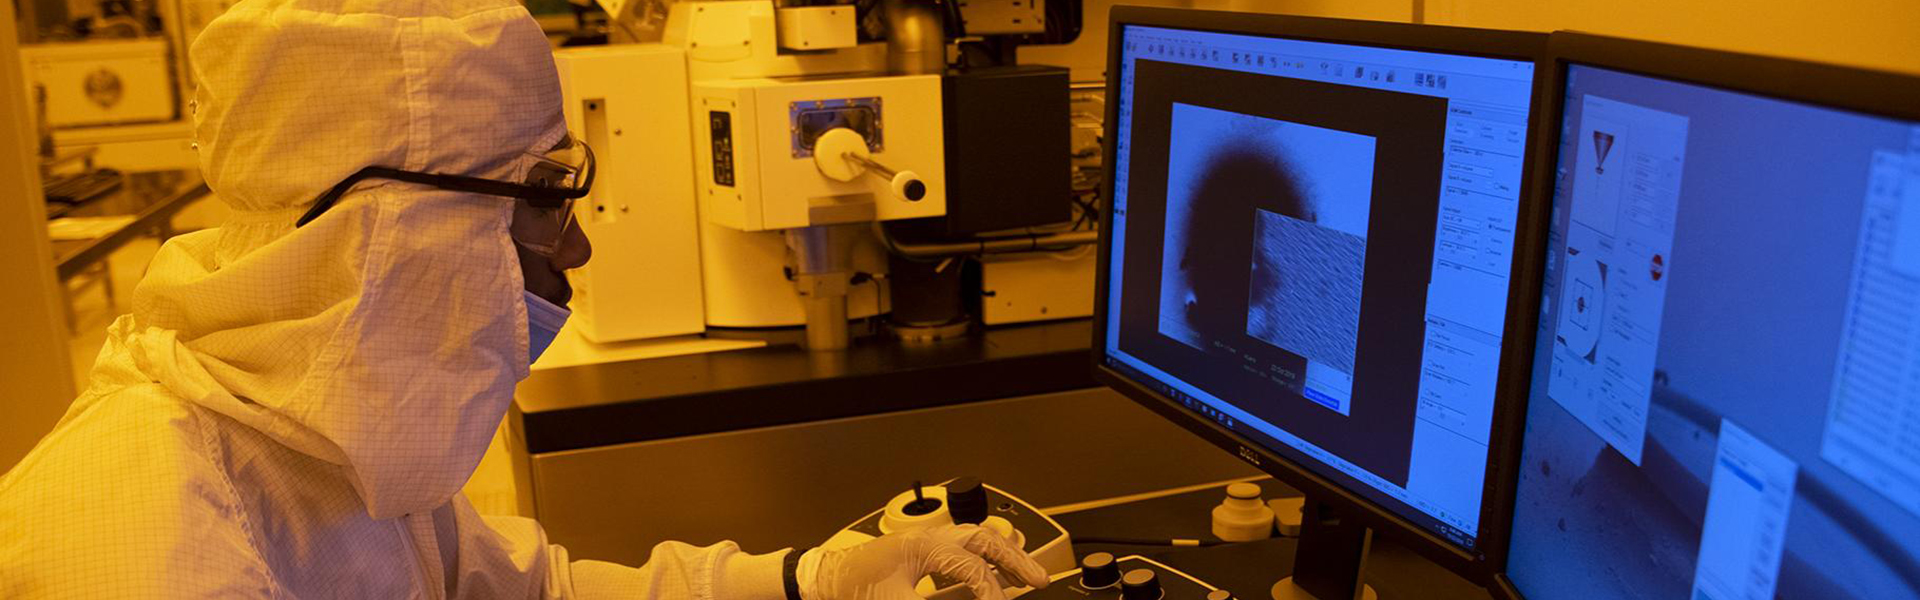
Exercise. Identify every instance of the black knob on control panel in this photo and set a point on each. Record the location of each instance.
(967, 501)
(1139, 584)
(1098, 571)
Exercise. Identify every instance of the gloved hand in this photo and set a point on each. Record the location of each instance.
(887, 567)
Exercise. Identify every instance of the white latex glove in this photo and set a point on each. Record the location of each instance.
(887, 567)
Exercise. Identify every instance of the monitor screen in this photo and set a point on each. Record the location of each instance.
(1725, 399)
(1311, 246)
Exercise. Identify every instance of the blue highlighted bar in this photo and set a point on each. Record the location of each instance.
(1320, 398)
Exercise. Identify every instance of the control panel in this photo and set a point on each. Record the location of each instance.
(965, 500)
(721, 123)
(1103, 577)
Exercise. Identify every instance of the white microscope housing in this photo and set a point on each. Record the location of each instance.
(713, 185)
(761, 164)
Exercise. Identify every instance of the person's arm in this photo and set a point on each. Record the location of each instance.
(510, 557)
(677, 570)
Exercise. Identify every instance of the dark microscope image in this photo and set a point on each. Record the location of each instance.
(1248, 253)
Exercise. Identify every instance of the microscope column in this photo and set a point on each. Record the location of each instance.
(916, 36)
(822, 274)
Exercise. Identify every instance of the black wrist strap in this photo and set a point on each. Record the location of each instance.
(790, 573)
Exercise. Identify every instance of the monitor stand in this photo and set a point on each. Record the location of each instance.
(1331, 559)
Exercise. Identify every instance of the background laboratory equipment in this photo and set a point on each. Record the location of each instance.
(116, 76)
(103, 85)
(1309, 262)
(756, 149)
(1724, 394)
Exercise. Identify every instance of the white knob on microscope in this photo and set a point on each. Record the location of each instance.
(907, 184)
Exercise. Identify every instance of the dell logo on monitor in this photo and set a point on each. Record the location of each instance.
(1249, 455)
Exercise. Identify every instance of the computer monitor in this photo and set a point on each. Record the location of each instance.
(1307, 259)
(1725, 398)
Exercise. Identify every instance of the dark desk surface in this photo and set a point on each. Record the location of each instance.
(151, 198)
(614, 403)
(1248, 569)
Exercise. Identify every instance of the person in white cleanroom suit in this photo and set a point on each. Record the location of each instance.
(290, 412)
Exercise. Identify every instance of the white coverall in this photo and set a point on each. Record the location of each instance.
(290, 413)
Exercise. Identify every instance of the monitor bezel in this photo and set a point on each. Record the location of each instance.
(1853, 89)
(1509, 45)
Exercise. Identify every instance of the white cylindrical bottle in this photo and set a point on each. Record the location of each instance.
(1242, 517)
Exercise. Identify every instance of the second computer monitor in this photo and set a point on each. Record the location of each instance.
(1310, 247)
(1726, 391)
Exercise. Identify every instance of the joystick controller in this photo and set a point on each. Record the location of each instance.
(921, 505)
(965, 500)
(1103, 577)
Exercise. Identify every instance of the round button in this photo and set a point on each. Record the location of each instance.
(1219, 595)
(1139, 584)
(1098, 571)
(1244, 491)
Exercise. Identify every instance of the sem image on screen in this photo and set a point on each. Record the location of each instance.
(1303, 276)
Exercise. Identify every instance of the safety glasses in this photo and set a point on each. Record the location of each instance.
(543, 202)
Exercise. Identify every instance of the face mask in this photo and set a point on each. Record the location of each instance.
(543, 323)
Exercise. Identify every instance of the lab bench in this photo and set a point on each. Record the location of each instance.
(151, 202)
(595, 405)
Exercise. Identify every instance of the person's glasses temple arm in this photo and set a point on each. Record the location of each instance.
(587, 185)
(326, 200)
(539, 196)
